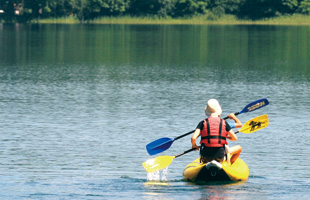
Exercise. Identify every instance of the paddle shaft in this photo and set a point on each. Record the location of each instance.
(185, 152)
(237, 113)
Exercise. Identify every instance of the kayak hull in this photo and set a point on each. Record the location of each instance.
(214, 171)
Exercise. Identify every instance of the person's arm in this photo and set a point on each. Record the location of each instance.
(232, 136)
(237, 121)
(194, 138)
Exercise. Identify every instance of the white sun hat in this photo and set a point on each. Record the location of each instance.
(213, 108)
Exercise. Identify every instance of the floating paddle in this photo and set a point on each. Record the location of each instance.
(164, 143)
(162, 162)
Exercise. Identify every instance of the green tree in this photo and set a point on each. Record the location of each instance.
(191, 7)
(225, 6)
(288, 6)
(167, 8)
(256, 9)
(305, 7)
(98, 8)
(8, 8)
(35, 8)
(145, 7)
(91, 9)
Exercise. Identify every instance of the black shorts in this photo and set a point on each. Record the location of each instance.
(212, 153)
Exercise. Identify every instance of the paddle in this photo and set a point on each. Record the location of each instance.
(162, 162)
(164, 143)
(254, 124)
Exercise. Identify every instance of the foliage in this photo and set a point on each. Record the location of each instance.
(190, 7)
(305, 7)
(92, 9)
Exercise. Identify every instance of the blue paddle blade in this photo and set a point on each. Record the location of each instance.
(255, 105)
(159, 145)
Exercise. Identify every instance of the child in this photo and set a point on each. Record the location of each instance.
(214, 131)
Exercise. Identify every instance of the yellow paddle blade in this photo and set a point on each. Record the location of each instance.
(255, 124)
(158, 163)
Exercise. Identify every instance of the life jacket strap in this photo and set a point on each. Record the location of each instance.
(220, 132)
(209, 132)
(213, 137)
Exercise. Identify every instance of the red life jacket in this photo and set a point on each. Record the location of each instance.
(214, 132)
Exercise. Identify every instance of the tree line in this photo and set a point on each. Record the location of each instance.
(27, 10)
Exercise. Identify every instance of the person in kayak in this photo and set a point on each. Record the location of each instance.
(214, 131)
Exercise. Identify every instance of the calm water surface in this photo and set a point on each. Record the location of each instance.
(78, 104)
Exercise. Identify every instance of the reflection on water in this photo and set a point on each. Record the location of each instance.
(235, 47)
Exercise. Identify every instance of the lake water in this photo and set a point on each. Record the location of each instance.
(78, 104)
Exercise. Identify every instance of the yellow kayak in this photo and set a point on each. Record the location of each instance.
(214, 171)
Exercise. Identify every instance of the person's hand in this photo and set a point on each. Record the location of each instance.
(232, 116)
(237, 121)
(195, 147)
